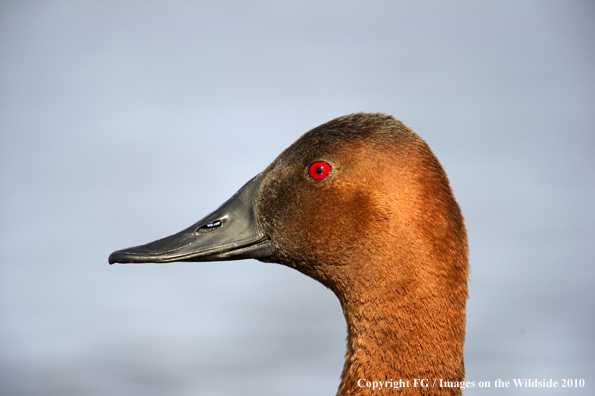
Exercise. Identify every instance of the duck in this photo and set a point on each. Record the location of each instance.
(362, 205)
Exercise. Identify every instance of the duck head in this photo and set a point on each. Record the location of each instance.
(362, 205)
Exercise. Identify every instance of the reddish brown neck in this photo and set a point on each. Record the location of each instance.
(402, 331)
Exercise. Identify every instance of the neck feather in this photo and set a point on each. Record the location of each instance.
(411, 331)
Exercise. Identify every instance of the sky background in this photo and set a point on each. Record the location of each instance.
(122, 122)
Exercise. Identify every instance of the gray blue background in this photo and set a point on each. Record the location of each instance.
(125, 121)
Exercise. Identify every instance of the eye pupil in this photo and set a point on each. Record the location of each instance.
(319, 170)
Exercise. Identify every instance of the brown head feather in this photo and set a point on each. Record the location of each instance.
(385, 234)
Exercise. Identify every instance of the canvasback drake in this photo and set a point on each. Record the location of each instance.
(362, 205)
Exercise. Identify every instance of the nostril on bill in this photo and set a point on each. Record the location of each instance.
(210, 226)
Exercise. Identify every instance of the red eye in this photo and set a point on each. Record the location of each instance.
(319, 170)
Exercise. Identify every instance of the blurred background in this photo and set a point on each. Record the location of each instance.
(122, 122)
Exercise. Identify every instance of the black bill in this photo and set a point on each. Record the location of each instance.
(231, 232)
